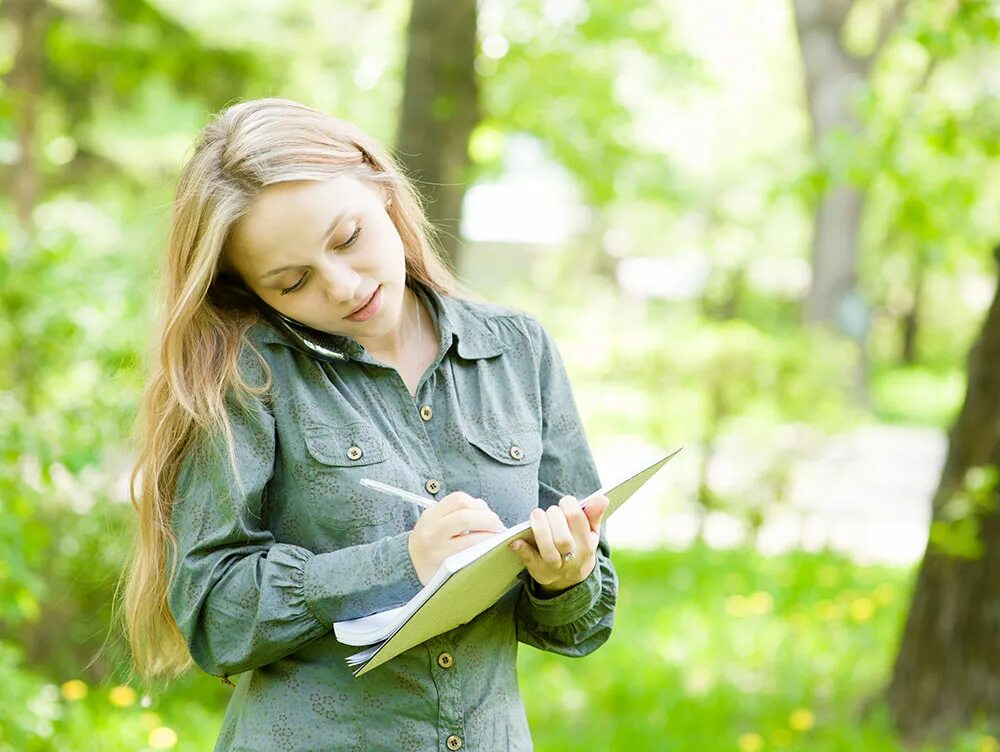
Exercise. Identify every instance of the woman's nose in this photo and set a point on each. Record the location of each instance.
(343, 284)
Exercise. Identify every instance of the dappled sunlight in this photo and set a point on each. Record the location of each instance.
(765, 233)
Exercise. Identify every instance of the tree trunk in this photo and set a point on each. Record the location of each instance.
(948, 668)
(29, 19)
(911, 321)
(832, 75)
(440, 109)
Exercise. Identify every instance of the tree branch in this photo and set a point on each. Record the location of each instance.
(889, 23)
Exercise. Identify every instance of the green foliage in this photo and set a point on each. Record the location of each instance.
(585, 67)
(69, 379)
(918, 395)
(929, 157)
(956, 529)
(712, 649)
(41, 714)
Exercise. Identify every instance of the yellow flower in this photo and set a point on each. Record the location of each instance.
(149, 721)
(798, 620)
(827, 575)
(736, 605)
(827, 610)
(989, 744)
(884, 594)
(751, 742)
(862, 609)
(162, 737)
(801, 719)
(122, 696)
(761, 602)
(74, 689)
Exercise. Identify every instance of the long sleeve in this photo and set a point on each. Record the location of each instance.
(578, 621)
(242, 600)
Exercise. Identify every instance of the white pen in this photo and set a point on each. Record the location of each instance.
(386, 488)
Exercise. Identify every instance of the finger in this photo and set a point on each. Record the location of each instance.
(462, 521)
(561, 535)
(459, 521)
(594, 510)
(457, 500)
(527, 553)
(543, 539)
(576, 518)
(462, 542)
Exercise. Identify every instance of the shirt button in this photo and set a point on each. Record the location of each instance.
(432, 486)
(354, 453)
(454, 742)
(445, 660)
(426, 413)
(516, 452)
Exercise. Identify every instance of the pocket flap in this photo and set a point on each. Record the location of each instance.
(349, 445)
(515, 444)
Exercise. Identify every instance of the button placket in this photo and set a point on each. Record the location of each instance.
(445, 675)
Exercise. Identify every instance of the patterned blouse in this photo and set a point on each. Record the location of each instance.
(269, 560)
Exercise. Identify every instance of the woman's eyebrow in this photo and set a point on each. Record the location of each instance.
(329, 232)
(277, 271)
(333, 226)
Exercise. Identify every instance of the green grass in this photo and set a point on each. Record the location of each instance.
(729, 650)
(711, 650)
(917, 395)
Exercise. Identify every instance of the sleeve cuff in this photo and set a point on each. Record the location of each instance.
(341, 585)
(569, 605)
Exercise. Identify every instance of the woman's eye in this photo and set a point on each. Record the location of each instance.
(346, 244)
(294, 287)
(350, 241)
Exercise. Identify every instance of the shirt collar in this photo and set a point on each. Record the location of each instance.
(455, 319)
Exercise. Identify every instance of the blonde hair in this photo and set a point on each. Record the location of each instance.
(194, 360)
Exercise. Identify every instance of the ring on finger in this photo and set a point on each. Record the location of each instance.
(569, 556)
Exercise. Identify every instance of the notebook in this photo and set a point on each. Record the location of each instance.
(465, 585)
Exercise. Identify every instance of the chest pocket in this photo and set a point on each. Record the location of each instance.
(507, 461)
(337, 458)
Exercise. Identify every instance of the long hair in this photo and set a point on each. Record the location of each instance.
(194, 359)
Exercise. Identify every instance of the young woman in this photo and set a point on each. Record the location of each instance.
(310, 338)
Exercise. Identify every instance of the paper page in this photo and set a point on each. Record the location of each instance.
(367, 629)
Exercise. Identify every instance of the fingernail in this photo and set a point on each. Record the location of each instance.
(516, 545)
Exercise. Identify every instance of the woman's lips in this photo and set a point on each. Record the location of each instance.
(370, 308)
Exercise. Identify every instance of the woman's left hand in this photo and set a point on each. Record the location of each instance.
(563, 528)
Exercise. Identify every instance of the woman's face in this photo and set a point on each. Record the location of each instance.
(316, 251)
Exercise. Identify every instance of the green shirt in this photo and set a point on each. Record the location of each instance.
(268, 562)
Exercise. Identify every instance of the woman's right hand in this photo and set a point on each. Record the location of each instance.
(440, 531)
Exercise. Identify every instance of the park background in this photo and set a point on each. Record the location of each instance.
(764, 230)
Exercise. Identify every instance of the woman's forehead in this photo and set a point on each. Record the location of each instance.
(295, 214)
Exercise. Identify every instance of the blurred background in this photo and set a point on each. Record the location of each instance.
(764, 230)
